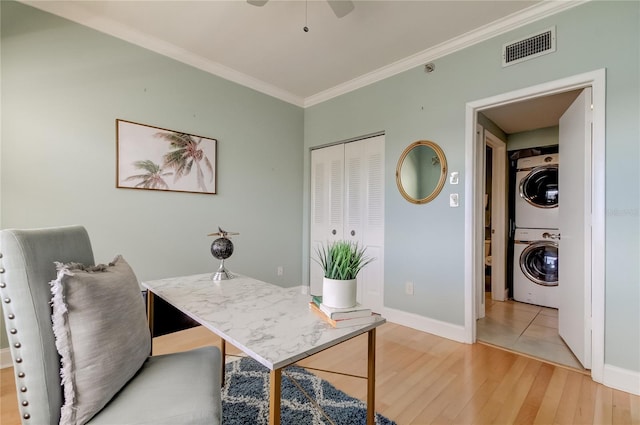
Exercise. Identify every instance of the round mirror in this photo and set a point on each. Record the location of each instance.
(421, 172)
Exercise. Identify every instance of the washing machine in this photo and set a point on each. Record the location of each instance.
(535, 268)
(536, 200)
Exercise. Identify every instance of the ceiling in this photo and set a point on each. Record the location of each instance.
(531, 114)
(265, 48)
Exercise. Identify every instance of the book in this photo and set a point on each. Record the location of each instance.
(343, 323)
(345, 313)
(341, 313)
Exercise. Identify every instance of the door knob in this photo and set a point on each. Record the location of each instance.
(333, 232)
(353, 233)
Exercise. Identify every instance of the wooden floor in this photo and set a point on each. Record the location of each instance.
(425, 379)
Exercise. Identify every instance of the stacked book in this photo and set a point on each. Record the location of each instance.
(342, 317)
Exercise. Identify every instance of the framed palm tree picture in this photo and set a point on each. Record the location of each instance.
(155, 158)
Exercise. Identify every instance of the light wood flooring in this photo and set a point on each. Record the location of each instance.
(525, 328)
(424, 379)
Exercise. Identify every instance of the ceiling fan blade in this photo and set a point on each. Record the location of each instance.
(257, 2)
(341, 7)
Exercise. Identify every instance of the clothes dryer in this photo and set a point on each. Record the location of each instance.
(536, 200)
(535, 269)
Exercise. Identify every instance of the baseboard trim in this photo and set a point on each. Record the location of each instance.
(5, 358)
(613, 377)
(621, 379)
(425, 324)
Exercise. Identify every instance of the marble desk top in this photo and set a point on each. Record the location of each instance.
(273, 325)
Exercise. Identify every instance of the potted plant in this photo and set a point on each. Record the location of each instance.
(341, 261)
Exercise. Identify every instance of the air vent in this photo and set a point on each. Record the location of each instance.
(529, 47)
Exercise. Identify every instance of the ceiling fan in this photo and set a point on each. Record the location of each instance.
(340, 7)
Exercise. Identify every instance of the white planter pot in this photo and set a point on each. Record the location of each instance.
(339, 293)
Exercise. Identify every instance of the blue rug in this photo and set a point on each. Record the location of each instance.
(245, 398)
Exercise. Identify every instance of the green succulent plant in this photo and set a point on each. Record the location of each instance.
(341, 260)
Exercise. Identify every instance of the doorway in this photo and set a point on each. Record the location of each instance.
(474, 210)
(524, 327)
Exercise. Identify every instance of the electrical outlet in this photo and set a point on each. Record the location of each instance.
(280, 271)
(408, 288)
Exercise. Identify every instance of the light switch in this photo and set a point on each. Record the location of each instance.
(453, 200)
(453, 177)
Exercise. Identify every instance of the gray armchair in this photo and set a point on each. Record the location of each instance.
(180, 388)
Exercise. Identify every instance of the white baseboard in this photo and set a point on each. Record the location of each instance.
(5, 358)
(425, 324)
(621, 379)
(614, 377)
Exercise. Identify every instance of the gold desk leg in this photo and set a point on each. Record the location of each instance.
(223, 355)
(275, 379)
(371, 379)
(150, 300)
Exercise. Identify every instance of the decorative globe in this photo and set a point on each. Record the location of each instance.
(222, 248)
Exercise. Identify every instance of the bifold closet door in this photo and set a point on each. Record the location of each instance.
(327, 205)
(364, 213)
(347, 202)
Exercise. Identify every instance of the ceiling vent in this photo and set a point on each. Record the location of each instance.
(529, 47)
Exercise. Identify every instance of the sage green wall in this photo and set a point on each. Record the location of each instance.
(534, 138)
(63, 86)
(491, 127)
(425, 243)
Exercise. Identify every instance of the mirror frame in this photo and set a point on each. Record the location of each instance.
(443, 171)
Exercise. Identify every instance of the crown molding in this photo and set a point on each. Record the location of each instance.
(534, 13)
(172, 51)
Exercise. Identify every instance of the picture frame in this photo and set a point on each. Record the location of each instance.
(155, 158)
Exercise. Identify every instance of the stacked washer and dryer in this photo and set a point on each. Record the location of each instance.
(535, 250)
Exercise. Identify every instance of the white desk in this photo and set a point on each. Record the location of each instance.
(271, 324)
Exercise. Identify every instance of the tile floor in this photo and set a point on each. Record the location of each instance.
(525, 328)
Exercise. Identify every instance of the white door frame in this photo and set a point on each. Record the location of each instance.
(473, 188)
(498, 215)
(480, 311)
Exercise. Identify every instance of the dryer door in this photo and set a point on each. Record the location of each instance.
(540, 187)
(539, 263)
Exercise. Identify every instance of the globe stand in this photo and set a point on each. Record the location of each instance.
(222, 248)
(222, 273)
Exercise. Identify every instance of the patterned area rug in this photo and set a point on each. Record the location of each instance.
(245, 398)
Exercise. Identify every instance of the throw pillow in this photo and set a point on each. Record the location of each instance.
(101, 332)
